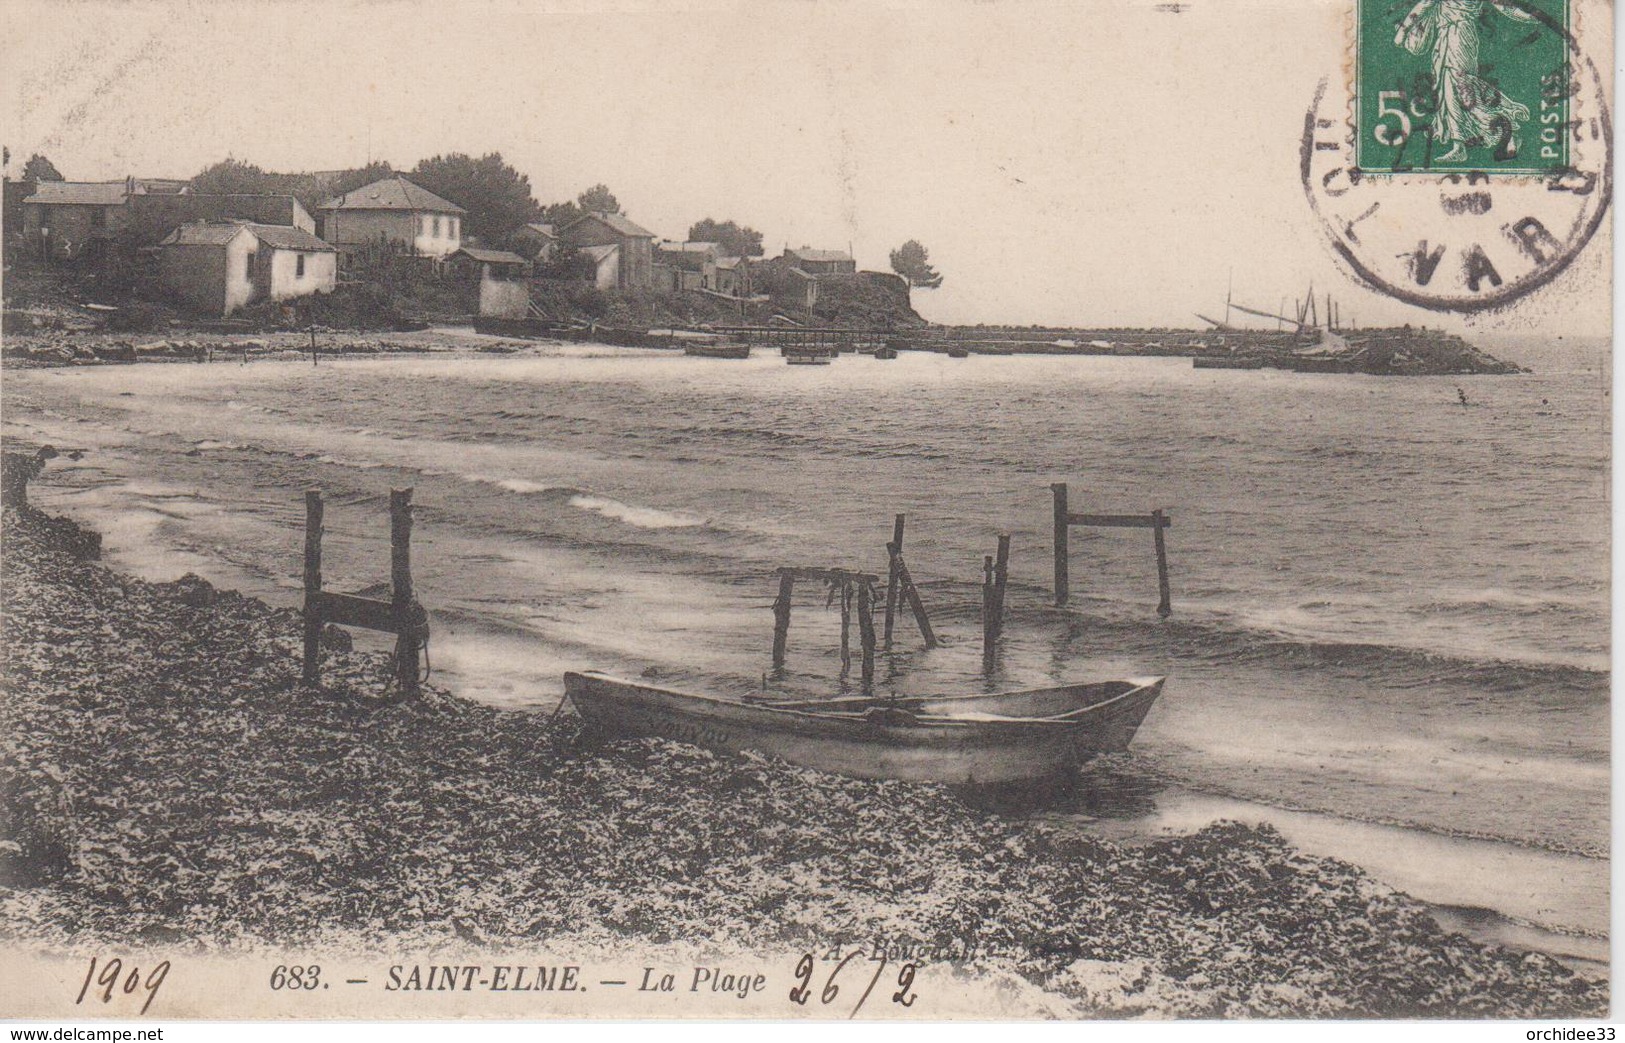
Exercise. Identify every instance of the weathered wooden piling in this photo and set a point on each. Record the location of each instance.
(844, 592)
(996, 572)
(866, 631)
(894, 551)
(313, 585)
(400, 584)
(1061, 528)
(781, 617)
(1165, 606)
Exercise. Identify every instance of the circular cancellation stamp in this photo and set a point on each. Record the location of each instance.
(1470, 159)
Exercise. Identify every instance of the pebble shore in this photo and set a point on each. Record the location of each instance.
(166, 779)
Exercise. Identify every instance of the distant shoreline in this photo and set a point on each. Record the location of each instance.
(1401, 352)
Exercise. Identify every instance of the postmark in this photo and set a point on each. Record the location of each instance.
(1469, 159)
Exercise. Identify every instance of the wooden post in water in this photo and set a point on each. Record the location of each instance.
(844, 592)
(995, 573)
(1165, 606)
(1062, 520)
(313, 585)
(781, 617)
(866, 631)
(894, 550)
(988, 636)
(400, 583)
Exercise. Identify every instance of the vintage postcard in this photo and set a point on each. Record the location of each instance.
(917, 511)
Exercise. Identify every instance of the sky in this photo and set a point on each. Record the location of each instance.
(1085, 163)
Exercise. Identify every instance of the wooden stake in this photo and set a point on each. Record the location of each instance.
(912, 595)
(845, 594)
(400, 582)
(781, 618)
(1164, 606)
(1062, 519)
(894, 551)
(313, 585)
(987, 612)
(1001, 573)
(993, 582)
(866, 632)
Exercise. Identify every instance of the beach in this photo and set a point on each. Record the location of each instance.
(169, 782)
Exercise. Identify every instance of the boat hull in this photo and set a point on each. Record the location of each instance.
(973, 748)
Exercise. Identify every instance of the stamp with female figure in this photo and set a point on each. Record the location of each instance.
(1462, 85)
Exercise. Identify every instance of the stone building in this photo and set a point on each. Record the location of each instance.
(392, 211)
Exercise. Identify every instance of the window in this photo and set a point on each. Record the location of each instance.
(437, 221)
(452, 223)
(248, 267)
(299, 266)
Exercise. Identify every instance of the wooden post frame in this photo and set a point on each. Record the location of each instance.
(1156, 521)
(401, 615)
(842, 581)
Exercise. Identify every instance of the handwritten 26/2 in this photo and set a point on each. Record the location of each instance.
(807, 965)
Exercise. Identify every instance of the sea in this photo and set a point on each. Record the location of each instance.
(1390, 625)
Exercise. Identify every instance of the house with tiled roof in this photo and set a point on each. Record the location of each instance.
(65, 220)
(220, 266)
(474, 262)
(395, 211)
(635, 245)
(820, 262)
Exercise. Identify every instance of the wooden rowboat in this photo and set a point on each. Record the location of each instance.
(993, 740)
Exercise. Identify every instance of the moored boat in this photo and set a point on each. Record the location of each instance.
(993, 740)
(807, 359)
(720, 350)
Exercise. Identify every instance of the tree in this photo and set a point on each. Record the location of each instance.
(232, 177)
(496, 196)
(567, 262)
(911, 262)
(560, 214)
(38, 168)
(736, 240)
(599, 198)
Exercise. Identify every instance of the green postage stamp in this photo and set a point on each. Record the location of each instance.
(1462, 85)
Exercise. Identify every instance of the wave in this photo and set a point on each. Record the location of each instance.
(522, 486)
(631, 514)
(1223, 640)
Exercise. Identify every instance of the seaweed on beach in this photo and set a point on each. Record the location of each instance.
(164, 777)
